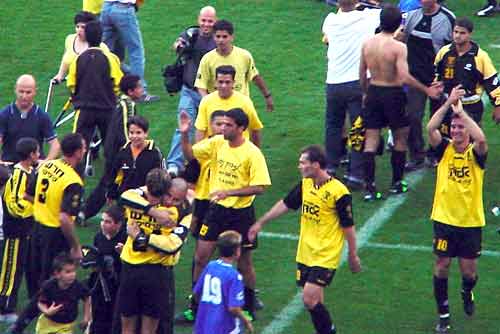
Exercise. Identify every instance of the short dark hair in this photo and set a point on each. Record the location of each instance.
(228, 243)
(84, 17)
(466, 23)
(25, 146)
(116, 213)
(158, 182)
(238, 116)
(225, 69)
(315, 153)
(4, 175)
(93, 33)
(128, 82)
(138, 121)
(217, 113)
(390, 18)
(71, 143)
(224, 25)
(61, 260)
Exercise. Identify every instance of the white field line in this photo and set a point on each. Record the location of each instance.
(286, 316)
(416, 248)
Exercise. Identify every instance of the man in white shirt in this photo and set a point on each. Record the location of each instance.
(345, 32)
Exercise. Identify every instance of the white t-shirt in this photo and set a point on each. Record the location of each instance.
(346, 32)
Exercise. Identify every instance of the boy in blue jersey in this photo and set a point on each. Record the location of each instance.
(220, 291)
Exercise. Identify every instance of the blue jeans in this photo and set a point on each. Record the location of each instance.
(189, 101)
(120, 29)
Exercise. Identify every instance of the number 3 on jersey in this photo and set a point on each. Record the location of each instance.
(212, 292)
(42, 196)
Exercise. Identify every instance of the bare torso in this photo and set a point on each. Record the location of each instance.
(381, 53)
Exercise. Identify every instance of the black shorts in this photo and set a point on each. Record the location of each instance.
(200, 209)
(385, 106)
(144, 290)
(315, 275)
(453, 241)
(220, 219)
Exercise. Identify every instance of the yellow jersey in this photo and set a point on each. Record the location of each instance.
(233, 168)
(164, 243)
(58, 188)
(239, 58)
(458, 198)
(213, 102)
(93, 6)
(321, 235)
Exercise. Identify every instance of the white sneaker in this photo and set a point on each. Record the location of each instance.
(486, 11)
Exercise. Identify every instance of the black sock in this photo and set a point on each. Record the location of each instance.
(369, 167)
(441, 295)
(468, 284)
(398, 160)
(193, 281)
(249, 300)
(344, 147)
(321, 319)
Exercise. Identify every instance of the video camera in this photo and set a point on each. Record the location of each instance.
(102, 264)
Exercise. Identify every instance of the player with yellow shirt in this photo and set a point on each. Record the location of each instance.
(326, 221)
(226, 98)
(149, 253)
(226, 53)
(239, 173)
(457, 211)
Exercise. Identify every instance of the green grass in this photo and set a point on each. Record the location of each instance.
(394, 293)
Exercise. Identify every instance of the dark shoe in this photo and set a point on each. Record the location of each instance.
(443, 326)
(414, 165)
(399, 187)
(146, 98)
(487, 10)
(186, 317)
(468, 299)
(372, 196)
(353, 182)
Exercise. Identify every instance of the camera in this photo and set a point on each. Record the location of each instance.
(93, 258)
(189, 37)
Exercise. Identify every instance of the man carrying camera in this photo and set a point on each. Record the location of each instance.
(192, 45)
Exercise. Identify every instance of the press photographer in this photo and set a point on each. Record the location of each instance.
(104, 260)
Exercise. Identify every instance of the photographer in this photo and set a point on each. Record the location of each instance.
(192, 45)
(108, 241)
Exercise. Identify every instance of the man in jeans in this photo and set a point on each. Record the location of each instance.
(345, 33)
(121, 31)
(192, 46)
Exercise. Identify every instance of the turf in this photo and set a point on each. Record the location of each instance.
(394, 293)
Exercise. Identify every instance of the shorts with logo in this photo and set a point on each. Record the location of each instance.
(385, 106)
(144, 290)
(200, 209)
(453, 241)
(315, 275)
(220, 219)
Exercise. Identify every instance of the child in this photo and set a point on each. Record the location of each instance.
(220, 291)
(17, 224)
(109, 241)
(58, 299)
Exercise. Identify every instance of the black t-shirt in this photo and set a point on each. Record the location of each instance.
(202, 45)
(50, 292)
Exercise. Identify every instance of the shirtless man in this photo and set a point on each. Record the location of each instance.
(384, 99)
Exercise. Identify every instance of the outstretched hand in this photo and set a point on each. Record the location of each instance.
(184, 121)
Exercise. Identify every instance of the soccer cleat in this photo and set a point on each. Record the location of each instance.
(188, 316)
(373, 196)
(487, 10)
(399, 187)
(250, 316)
(468, 299)
(443, 326)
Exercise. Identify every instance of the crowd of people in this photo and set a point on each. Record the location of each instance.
(383, 67)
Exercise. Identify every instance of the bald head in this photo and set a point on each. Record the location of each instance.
(25, 92)
(206, 20)
(177, 192)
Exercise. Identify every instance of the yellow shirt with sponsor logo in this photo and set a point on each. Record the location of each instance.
(53, 178)
(239, 58)
(93, 6)
(458, 198)
(132, 200)
(321, 234)
(213, 102)
(233, 168)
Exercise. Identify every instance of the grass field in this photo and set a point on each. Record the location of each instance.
(393, 294)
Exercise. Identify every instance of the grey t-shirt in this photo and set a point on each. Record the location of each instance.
(202, 45)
